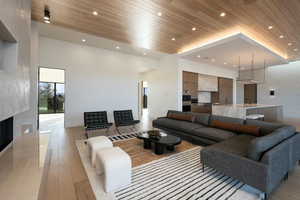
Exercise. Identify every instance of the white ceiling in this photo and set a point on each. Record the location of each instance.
(59, 33)
(226, 52)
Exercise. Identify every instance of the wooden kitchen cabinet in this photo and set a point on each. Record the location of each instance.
(224, 95)
(190, 83)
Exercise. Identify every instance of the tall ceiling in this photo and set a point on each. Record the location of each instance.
(137, 22)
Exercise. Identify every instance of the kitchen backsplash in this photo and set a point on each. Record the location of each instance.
(204, 97)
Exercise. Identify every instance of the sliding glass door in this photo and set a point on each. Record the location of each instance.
(51, 98)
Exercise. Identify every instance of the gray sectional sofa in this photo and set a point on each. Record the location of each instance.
(261, 162)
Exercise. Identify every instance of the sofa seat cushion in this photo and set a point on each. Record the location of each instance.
(178, 125)
(213, 133)
(237, 145)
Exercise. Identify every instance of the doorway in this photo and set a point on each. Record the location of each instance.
(51, 100)
(250, 93)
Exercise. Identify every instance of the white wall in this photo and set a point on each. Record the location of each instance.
(14, 76)
(96, 79)
(165, 82)
(286, 82)
(163, 87)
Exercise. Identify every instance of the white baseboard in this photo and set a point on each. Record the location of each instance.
(6, 148)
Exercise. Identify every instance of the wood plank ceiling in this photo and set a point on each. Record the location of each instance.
(138, 23)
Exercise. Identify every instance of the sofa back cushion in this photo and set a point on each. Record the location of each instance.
(201, 118)
(265, 127)
(180, 116)
(225, 125)
(238, 128)
(261, 145)
(226, 119)
(249, 130)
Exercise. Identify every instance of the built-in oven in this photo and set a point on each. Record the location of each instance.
(186, 97)
(186, 103)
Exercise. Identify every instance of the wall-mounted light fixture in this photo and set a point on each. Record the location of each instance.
(47, 15)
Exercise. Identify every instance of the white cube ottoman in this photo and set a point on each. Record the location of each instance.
(95, 144)
(116, 166)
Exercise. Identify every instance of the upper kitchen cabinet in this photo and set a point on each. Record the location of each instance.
(190, 83)
(207, 83)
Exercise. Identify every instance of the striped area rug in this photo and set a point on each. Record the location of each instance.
(116, 138)
(180, 177)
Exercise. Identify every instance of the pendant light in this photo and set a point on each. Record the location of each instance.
(251, 73)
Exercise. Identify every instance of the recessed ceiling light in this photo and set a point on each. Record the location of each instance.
(290, 44)
(159, 14)
(270, 27)
(281, 36)
(198, 56)
(145, 54)
(95, 13)
(213, 60)
(83, 40)
(117, 47)
(223, 14)
(173, 39)
(194, 28)
(295, 49)
(225, 63)
(47, 21)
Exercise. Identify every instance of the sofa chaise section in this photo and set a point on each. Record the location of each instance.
(261, 162)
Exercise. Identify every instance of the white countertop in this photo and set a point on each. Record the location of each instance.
(246, 106)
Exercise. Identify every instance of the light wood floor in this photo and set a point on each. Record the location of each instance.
(65, 179)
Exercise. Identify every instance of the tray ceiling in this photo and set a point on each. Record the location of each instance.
(235, 51)
(152, 24)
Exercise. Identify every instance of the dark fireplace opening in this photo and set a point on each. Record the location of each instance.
(6, 132)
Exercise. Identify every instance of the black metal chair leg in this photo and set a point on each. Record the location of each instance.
(266, 196)
(118, 130)
(286, 177)
(107, 131)
(86, 135)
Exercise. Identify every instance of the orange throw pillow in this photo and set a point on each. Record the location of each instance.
(225, 125)
(249, 129)
(242, 129)
(183, 117)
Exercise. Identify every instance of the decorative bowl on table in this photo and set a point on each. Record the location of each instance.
(154, 134)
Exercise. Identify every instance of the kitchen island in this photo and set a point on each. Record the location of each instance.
(272, 113)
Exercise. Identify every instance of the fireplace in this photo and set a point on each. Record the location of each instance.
(6, 132)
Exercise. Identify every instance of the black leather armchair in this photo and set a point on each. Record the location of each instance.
(124, 118)
(96, 120)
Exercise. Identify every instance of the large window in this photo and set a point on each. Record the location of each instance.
(51, 98)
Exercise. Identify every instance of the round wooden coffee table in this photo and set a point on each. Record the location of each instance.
(165, 141)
